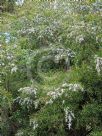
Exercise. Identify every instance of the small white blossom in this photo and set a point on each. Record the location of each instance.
(27, 97)
(14, 69)
(36, 103)
(80, 38)
(19, 133)
(15, 46)
(98, 64)
(9, 57)
(65, 85)
(19, 2)
(75, 87)
(69, 115)
(54, 4)
(56, 94)
(28, 90)
(63, 101)
(49, 102)
(33, 123)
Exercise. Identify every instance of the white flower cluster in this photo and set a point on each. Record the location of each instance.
(19, 133)
(36, 103)
(54, 95)
(28, 90)
(97, 6)
(9, 56)
(69, 116)
(27, 97)
(80, 39)
(13, 68)
(25, 101)
(80, 32)
(60, 54)
(98, 64)
(54, 4)
(47, 31)
(8, 61)
(33, 123)
(74, 87)
(19, 2)
(61, 90)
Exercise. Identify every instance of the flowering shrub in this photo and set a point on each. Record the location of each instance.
(27, 98)
(51, 69)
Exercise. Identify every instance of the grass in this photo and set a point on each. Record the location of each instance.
(53, 79)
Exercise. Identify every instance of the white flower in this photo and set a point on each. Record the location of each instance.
(54, 4)
(63, 101)
(69, 115)
(57, 58)
(80, 38)
(28, 90)
(19, 133)
(15, 46)
(65, 85)
(19, 2)
(27, 97)
(14, 69)
(9, 57)
(75, 87)
(49, 102)
(56, 94)
(36, 104)
(33, 123)
(98, 64)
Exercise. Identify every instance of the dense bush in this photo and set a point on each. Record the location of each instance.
(51, 70)
(7, 5)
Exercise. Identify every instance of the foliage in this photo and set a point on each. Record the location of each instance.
(7, 5)
(51, 69)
